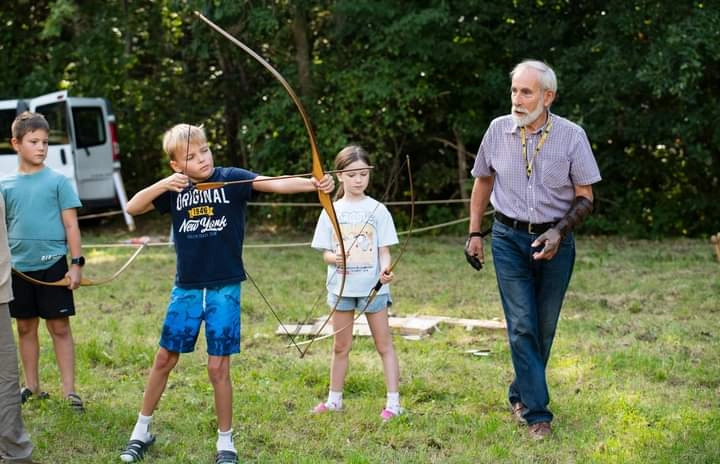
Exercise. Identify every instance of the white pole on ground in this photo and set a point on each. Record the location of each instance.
(122, 196)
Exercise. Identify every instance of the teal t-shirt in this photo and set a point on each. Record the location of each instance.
(33, 210)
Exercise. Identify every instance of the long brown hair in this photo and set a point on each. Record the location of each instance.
(346, 157)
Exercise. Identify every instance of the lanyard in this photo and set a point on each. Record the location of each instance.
(543, 138)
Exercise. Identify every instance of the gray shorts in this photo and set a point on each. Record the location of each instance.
(351, 303)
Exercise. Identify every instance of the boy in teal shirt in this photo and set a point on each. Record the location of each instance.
(42, 224)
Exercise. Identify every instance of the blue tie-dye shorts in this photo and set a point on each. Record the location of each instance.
(219, 307)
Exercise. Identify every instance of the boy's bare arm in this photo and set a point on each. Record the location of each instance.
(72, 234)
(294, 184)
(141, 202)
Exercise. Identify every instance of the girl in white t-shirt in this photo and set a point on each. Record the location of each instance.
(368, 232)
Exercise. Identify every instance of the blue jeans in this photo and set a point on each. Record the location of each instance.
(532, 293)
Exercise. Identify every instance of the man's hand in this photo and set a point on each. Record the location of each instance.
(474, 252)
(550, 242)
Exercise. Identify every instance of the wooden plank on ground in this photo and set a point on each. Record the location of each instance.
(412, 325)
(360, 328)
(415, 325)
(468, 323)
(303, 330)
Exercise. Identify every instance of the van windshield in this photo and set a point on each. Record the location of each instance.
(56, 115)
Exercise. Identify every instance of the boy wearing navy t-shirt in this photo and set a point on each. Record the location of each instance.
(208, 227)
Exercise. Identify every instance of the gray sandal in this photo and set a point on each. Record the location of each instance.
(26, 394)
(76, 403)
(226, 457)
(135, 450)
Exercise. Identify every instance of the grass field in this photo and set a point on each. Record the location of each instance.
(634, 376)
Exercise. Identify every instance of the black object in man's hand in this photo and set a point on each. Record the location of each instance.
(473, 260)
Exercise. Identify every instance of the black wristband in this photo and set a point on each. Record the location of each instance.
(476, 234)
(580, 209)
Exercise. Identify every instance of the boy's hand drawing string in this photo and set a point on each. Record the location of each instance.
(84, 282)
(317, 169)
(378, 285)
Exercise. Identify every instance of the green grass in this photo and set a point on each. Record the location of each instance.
(634, 375)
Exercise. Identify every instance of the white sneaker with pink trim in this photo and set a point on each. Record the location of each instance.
(324, 407)
(388, 414)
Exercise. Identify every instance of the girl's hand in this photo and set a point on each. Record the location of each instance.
(339, 262)
(176, 182)
(386, 277)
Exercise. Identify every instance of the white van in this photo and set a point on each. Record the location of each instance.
(82, 144)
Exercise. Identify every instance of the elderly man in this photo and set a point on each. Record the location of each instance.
(537, 169)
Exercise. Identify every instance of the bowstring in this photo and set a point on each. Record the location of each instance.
(272, 310)
(374, 290)
(187, 153)
(306, 120)
(84, 282)
(337, 270)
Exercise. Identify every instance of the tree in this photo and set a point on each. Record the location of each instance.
(423, 79)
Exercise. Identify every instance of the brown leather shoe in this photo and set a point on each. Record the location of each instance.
(517, 410)
(540, 431)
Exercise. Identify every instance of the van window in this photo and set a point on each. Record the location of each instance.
(56, 115)
(89, 127)
(6, 119)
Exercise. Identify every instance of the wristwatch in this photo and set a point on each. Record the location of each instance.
(80, 261)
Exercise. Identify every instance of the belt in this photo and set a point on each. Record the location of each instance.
(526, 226)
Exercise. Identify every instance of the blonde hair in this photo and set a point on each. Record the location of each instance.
(28, 122)
(346, 157)
(177, 140)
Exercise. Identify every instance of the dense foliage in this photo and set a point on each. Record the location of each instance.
(422, 78)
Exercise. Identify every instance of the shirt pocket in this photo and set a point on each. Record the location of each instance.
(555, 172)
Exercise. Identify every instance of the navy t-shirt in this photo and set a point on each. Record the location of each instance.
(209, 228)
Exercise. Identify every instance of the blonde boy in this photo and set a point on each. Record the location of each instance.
(208, 228)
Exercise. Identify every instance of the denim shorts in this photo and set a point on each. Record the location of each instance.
(350, 303)
(219, 307)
